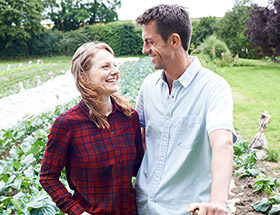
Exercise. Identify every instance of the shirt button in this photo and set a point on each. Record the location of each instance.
(157, 178)
(112, 132)
(165, 138)
(161, 158)
(167, 117)
(151, 199)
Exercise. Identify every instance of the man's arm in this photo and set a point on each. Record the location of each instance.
(222, 161)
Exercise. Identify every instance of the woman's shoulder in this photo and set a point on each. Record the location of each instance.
(68, 116)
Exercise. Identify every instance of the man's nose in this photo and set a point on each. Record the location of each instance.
(145, 50)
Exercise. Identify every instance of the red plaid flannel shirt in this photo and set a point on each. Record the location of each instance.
(99, 163)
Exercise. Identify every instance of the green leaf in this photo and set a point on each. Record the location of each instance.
(17, 184)
(275, 209)
(29, 172)
(27, 160)
(275, 199)
(2, 166)
(261, 206)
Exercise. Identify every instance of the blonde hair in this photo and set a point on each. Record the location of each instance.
(81, 64)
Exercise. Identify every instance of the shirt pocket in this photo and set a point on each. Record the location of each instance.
(187, 131)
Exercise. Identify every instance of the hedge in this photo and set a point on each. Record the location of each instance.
(123, 37)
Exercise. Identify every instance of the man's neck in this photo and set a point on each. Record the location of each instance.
(176, 69)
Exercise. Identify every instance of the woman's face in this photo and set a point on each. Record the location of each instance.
(104, 74)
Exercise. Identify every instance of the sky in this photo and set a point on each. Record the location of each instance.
(131, 9)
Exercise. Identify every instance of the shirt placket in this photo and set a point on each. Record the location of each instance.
(168, 100)
(117, 156)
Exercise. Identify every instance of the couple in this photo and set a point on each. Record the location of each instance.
(185, 114)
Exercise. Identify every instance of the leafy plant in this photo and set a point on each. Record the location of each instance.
(266, 183)
(268, 204)
(271, 155)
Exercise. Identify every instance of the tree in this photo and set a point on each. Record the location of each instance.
(264, 28)
(202, 29)
(69, 15)
(232, 26)
(19, 21)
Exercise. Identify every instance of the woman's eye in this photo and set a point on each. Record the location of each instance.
(104, 66)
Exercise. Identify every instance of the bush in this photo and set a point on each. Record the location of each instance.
(216, 50)
(73, 40)
(47, 44)
(124, 38)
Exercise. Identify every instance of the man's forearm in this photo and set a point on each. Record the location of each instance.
(222, 162)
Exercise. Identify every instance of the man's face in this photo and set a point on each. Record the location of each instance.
(155, 46)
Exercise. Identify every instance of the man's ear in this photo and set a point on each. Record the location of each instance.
(174, 40)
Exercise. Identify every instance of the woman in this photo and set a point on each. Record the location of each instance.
(98, 141)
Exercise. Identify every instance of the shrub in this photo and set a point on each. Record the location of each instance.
(216, 50)
(73, 40)
(47, 44)
(123, 37)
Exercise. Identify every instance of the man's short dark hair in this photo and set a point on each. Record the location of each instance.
(169, 19)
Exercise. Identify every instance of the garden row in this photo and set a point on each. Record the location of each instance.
(14, 77)
(245, 161)
(22, 147)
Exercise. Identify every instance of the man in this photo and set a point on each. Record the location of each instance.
(185, 113)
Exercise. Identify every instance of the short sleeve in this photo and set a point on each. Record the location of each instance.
(220, 108)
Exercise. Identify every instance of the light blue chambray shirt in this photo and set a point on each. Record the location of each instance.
(176, 168)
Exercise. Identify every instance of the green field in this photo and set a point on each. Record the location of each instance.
(256, 87)
(28, 74)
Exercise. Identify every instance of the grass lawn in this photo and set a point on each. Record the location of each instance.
(256, 87)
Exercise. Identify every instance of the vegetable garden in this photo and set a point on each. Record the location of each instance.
(22, 146)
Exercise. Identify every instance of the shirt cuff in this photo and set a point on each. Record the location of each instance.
(76, 209)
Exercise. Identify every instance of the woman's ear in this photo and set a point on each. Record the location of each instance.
(84, 77)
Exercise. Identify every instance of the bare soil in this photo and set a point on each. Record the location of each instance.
(243, 192)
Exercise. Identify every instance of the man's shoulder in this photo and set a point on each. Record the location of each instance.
(211, 77)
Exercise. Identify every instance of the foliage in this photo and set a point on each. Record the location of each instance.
(264, 28)
(73, 40)
(268, 204)
(271, 155)
(246, 165)
(231, 29)
(19, 22)
(123, 37)
(240, 147)
(23, 145)
(70, 15)
(46, 44)
(202, 29)
(132, 76)
(266, 183)
(245, 160)
(216, 50)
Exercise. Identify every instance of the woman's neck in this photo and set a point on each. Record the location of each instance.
(108, 106)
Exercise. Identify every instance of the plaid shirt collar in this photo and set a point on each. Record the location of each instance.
(85, 109)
